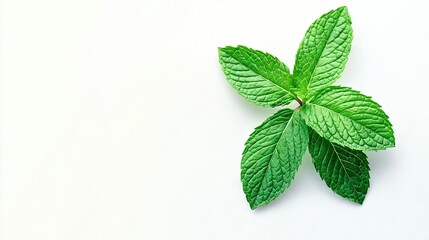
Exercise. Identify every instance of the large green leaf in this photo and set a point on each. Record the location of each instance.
(259, 77)
(323, 52)
(349, 118)
(272, 156)
(344, 170)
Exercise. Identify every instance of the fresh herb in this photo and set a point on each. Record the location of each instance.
(342, 123)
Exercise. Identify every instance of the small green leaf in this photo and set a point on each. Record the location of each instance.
(259, 77)
(323, 52)
(349, 118)
(345, 171)
(272, 156)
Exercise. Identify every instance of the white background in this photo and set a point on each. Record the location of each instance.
(117, 122)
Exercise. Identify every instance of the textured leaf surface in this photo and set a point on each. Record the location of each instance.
(272, 156)
(349, 118)
(323, 52)
(345, 171)
(257, 76)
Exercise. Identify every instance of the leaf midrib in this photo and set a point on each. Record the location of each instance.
(266, 78)
(309, 104)
(345, 170)
(271, 158)
(324, 48)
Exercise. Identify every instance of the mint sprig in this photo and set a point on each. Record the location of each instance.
(336, 123)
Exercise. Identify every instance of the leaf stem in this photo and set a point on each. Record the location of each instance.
(300, 103)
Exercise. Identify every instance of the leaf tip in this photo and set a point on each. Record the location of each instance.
(252, 204)
(255, 205)
(220, 49)
(342, 8)
(359, 200)
(344, 11)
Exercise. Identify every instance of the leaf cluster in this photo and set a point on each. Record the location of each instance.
(336, 123)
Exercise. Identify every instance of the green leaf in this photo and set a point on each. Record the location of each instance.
(259, 77)
(272, 156)
(349, 118)
(345, 171)
(323, 52)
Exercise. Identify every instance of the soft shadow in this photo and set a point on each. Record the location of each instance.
(382, 162)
